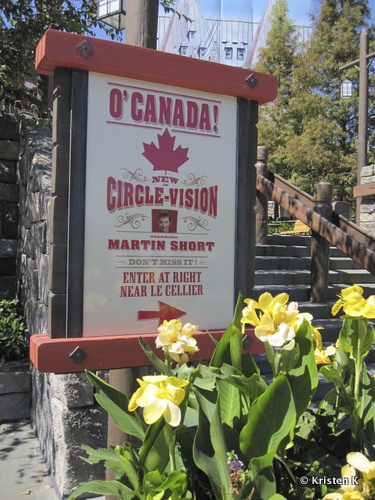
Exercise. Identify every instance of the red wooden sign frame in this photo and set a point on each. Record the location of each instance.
(105, 353)
(76, 52)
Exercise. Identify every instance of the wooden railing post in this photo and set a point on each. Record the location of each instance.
(261, 206)
(319, 246)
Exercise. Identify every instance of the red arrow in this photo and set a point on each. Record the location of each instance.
(165, 312)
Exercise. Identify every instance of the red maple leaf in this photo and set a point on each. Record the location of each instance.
(165, 157)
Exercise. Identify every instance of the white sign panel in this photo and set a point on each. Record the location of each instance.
(160, 207)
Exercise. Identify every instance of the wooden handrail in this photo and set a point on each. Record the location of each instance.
(346, 236)
(287, 186)
(338, 220)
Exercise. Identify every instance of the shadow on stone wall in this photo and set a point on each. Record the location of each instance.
(64, 413)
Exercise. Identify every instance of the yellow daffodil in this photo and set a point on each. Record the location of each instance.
(159, 395)
(323, 356)
(353, 303)
(177, 340)
(274, 320)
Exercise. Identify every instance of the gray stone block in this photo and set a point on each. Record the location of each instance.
(15, 377)
(15, 406)
(8, 287)
(9, 127)
(72, 389)
(8, 248)
(41, 173)
(9, 192)
(72, 428)
(7, 267)
(8, 172)
(10, 221)
(9, 150)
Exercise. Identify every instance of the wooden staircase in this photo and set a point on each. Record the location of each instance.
(283, 265)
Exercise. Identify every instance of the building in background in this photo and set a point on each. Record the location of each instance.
(217, 30)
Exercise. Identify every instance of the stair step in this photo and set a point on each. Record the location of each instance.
(317, 310)
(283, 265)
(289, 240)
(343, 263)
(270, 277)
(302, 276)
(282, 250)
(281, 262)
(301, 293)
(350, 276)
(295, 292)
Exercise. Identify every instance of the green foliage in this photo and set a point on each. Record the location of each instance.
(240, 436)
(310, 131)
(22, 25)
(13, 338)
(228, 406)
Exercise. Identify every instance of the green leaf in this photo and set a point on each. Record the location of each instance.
(209, 448)
(303, 377)
(229, 398)
(271, 418)
(154, 454)
(205, 378)
(157, 362)
(287, 358)
(116, 404)
(249, 367)
(229, 348)
(356, 337)
(115, 488)
(263, 486)
(176, 481)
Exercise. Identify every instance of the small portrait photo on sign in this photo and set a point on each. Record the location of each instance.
(164, 221)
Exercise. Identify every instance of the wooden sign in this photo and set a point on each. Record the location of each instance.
(161, 189)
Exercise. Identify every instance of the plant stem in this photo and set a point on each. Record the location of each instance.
(172, 457)
(270, 356)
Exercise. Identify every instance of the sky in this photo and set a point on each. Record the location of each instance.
(299, 10)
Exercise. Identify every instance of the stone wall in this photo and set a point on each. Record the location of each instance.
(64, 411)
(367, 215)
(9, 152)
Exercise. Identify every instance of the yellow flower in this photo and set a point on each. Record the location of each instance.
(353, 489)
(323, 356)
(362, 464)
(177, 340)
(159, 395)
(369, 308)
(316, 337)
(275, 321)
(345, 495)
(169, 332)
(353, 303)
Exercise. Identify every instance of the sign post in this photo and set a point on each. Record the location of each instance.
(160, 198)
